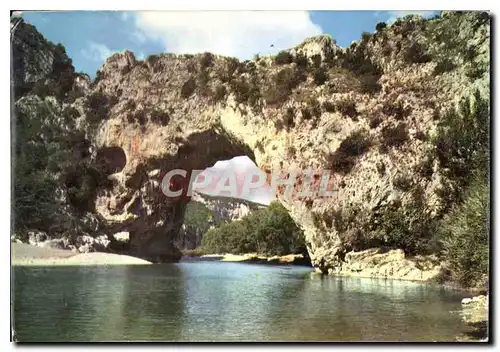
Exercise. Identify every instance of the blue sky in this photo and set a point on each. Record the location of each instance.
(92, 36)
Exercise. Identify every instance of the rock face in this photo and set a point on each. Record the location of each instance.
(391, 264)
(368, 113)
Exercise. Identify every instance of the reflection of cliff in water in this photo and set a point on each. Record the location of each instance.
(363, 309)
(97, 303)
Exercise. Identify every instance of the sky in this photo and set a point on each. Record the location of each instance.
(92, 36)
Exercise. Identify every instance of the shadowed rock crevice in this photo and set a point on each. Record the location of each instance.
(111, 159)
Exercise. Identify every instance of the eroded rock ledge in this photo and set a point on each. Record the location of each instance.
(389, 264)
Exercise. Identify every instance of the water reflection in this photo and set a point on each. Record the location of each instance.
(225, 302)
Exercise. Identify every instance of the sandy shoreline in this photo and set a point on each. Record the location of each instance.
(256, 258)
(27, 255)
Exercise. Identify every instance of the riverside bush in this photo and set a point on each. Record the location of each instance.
(268, 231)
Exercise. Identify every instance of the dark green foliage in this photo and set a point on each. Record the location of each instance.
(206, 60)
(444, 65)
(188, 88)
(289, 118)
(374, 121)
(413, 230)
(245, 91)
(462, 143)
(369, 84)
(425, 168)
(381, 168)
(227, 71)
(313, 109)
(220, 93)
(260, 146)
(345, 157)
(365, 37)
(46, 153)
(397, 110)
(320, 76)
(475, 72)
(97, 107)
(380, 26)
(285, 81)
(301, 61)
(465, 233)
(403, 182)
(329, 106)
(268, 231)
(316, 60)
(421, 136)
(82, 182)
(159, 117)
(347, 107)
(415, 54)
(394, 136)
(283, 58)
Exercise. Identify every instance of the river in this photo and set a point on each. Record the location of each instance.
(220, 301)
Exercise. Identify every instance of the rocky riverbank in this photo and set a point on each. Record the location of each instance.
(389, 264)
(25, 254)
(254, 258)
(475, 314)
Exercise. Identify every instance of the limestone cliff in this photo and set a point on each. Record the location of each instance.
(368, 112)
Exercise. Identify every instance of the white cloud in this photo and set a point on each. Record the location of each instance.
(394, 15)
(97, 52)
(241, 34)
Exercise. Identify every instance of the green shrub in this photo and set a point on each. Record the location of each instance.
(268, 231)
(346, 155)
(285, 81)
(320, 76)
(347, 107)
(380, 26)
(316, 60)
(374, 121)
(444, 65)
(289, 117)
(403, 182)
(369, 84)
(415, 54)
(220, 93)
(462, 143)
(159, 117)
(283, 58)
(465, 234)
(97, 107)
(301, 61)
(188, 88)
(245, 91)
(425, 168)
(398, 110)
(394, 136)
(206, 60)
(329, 106)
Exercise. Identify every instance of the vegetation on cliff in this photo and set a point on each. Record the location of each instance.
(54, 175)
